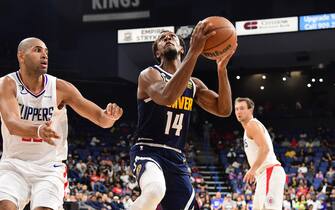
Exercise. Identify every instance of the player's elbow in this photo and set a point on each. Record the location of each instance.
(104, 126)
(225, 112)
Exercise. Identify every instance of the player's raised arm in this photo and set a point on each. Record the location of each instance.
(220, 103)
(70, 95)
(10, 114)
(166, 92)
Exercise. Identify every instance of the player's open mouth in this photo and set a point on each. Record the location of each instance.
(44, 64)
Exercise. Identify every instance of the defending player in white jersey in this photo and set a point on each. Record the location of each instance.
(265, 169)
(34, 130)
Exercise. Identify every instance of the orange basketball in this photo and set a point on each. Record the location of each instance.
(222, 41)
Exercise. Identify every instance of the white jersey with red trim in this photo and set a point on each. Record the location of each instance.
(37, 108)
(251, 149)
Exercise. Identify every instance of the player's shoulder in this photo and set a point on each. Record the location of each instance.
(149, 70)
(7, 81)
(63, 84)
(149, 75)
(252, 124)
(7, 85)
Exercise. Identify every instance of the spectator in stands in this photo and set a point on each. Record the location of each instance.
(302, 190)
(302, 169)
(301, 203)
(294, 142)
(312, 191)
(116, 202)
(206, 205)
(81, 167)
(217, 202)
(228, 203)
(240, 203)
(316, 142)
(287, 204)
(327, 158)
(319, 175)
(248, 200)
(311, 201)
(231, 155)
(117, 189)
(330, 174)
(332, 198)
(127, 201)
(290, 154)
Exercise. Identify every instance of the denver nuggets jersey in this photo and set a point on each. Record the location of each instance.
(37, 109)
(251, 149)
(166, 125)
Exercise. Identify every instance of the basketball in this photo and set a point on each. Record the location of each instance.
(222, 41)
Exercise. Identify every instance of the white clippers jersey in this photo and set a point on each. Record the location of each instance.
(37, 109)
(251, 149)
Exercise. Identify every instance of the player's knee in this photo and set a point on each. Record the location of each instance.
(155, 191)
(7, 205)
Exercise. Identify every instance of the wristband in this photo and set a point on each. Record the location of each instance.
(38, 131)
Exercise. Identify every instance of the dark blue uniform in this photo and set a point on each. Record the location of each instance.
(162, 132)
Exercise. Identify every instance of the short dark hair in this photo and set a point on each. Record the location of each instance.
(250, 103)
(154, 45)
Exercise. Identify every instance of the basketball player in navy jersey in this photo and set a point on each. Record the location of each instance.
(34, 130)
(165, 95)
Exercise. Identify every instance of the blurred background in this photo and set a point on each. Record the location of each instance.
(286, 63)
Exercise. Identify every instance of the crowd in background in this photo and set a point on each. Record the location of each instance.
(100, 177)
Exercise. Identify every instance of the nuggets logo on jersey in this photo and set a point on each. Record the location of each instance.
(183, 102)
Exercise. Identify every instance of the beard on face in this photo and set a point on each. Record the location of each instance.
(170, 54)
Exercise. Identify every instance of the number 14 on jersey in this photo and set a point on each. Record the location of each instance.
(177, 123)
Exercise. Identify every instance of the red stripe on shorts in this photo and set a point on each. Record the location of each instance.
(268, 176)
(66, 184)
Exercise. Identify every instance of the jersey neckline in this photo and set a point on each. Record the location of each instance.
(29, 91)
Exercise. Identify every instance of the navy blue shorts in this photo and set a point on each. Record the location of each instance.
(179, 191)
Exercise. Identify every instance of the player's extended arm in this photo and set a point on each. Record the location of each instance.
(256, 133)
(220, 103)
(10, 113)
(166, 93)
(71, 96)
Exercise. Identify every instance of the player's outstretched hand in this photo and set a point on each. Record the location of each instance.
(47, 133)
(222, 62)
(113, 111)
